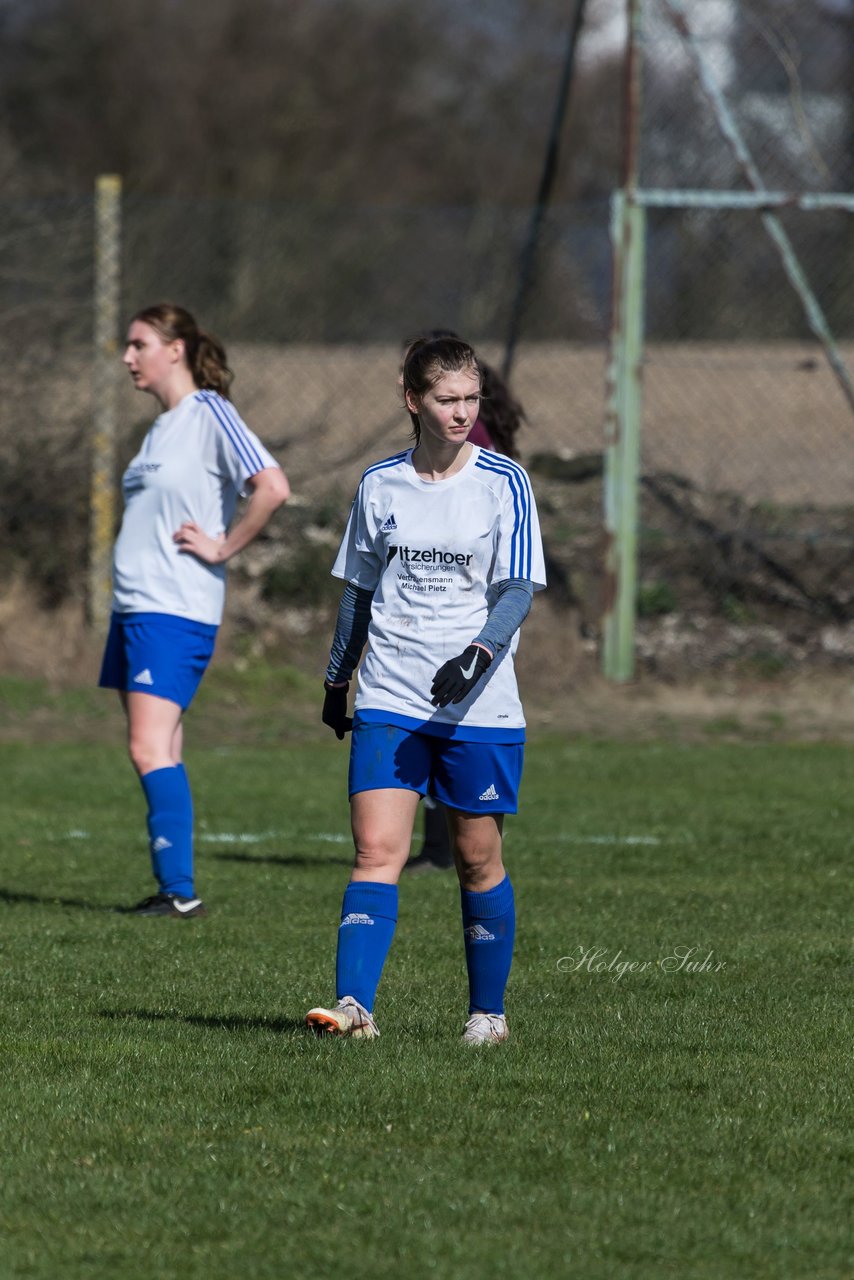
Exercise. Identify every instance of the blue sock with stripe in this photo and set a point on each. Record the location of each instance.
(170, 829)
(489, 926)
(368, 919)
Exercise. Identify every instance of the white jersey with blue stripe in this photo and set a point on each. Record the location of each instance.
(431, 551)
(193, 464)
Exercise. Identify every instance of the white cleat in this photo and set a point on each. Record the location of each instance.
(486, 1028)
(348, 1018)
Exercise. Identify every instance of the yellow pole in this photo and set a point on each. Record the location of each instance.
(108, 194)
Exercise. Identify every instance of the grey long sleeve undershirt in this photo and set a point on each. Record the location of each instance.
(505, 617)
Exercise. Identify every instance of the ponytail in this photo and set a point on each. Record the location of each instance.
(210, 371)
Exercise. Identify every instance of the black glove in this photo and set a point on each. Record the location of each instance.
(456, 678)
(335, 710)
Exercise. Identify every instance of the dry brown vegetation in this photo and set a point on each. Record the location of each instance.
(740, 599)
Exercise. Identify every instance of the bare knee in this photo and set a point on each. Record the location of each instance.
(154, 732)
(378, 859)
(478, 855)
(478, 871)
(138, 756)
(382, 832)
(145, 756)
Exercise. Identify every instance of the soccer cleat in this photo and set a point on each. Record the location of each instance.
(170, 904)
(486, 1028)
(348, 1018)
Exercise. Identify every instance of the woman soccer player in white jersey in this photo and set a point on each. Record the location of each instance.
(441, 556)
(499, 419)
(180, 494)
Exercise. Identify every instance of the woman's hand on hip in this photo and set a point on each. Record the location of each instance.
(192, 539)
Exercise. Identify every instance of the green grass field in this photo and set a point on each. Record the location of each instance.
(165, 1115)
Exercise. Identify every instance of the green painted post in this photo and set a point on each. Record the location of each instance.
(622, 439)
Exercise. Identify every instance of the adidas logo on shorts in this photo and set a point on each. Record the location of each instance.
(390, 525)
(144, 677)
(490, 793)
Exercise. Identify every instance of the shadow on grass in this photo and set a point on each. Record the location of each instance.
(51, 900)
(219, 1022)
(279, 861)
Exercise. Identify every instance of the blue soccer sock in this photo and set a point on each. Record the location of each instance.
(170, 828)
(368, 919)
(489, 926)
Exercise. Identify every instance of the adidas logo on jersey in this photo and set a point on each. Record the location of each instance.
(356, 917)
(477, 933)
(390, 525)
(144, 677)
(490, 793)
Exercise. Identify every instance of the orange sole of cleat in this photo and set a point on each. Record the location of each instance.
(323, 1024)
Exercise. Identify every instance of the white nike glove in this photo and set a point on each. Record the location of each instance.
(456, 678)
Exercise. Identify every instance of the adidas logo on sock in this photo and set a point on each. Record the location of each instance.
(390, 525)
(490, 793)
(160, 844)
(477, 933)
(356, 917)
(144, 677)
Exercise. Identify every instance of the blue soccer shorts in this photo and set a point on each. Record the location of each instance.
(157, 653)
(476, 777)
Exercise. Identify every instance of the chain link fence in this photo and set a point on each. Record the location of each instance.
(746, 433)
(313, 304)
(747, 439)
(739, 394)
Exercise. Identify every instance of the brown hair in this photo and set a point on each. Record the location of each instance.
(427, 359)
(205, 354)
(500, 412)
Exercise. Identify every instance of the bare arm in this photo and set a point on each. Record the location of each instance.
(270, 489)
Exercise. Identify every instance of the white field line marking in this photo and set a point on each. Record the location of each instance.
(237, 837)
(334, 837)
(231, 837)
(619, 839)
(677, 837)
(573, 839)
